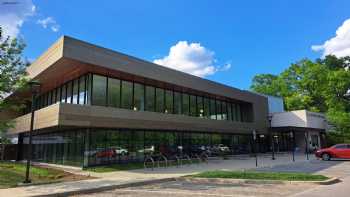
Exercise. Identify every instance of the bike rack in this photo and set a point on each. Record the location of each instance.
(198, 158)
(149, 159)
(164, 158)
(178, 161)
(204, 157)
(188, 159)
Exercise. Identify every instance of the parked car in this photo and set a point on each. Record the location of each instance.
(337, 151)
(147, 150)
(120, 151)
(105, 153)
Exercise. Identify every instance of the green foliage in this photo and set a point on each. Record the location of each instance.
(318, 86)
(12, 75)
(261, 175)
(13, 173)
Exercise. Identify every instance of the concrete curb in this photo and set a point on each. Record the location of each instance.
(106, 188)
(255, 181)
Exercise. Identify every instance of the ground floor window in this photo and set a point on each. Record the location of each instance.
(106, 146)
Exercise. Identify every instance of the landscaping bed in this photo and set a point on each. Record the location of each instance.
(13, 173)
(282, 176)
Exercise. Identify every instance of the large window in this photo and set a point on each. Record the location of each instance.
(54, 96)
(177, 103)
(127, 95)
(212, 109)
(206, 107)
(200, 110)
(150, 98)
(69, 91)
(185, 104)
(107, 91)
(160, 100)
(224, 110)
(139, 97)
(63, 93)
(169, 101)
(234, 113)
(193, 105)
(99, 90)
(238, 113)
(75, 91)
(218, 110)
(82, 90)
(58, 94)
(113, 92)
(229, 111)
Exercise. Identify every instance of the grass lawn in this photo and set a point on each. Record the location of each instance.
(261, 175)
(115, 167)
(12, 173)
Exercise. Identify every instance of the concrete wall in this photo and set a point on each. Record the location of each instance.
(316, 120)
(63, 115)
(299, 118)
(291, 119)
(44, 118)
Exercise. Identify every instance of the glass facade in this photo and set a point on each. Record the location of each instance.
(99, 90)
(91, 147)
(106, 91)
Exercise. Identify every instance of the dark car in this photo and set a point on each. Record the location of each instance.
(341, 151)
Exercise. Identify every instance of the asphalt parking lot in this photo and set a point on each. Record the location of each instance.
(340, 169)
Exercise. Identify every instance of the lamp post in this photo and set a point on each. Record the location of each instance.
(307, 144)
(256, 156)
(293, 148)
(34, 89)
(272, 138)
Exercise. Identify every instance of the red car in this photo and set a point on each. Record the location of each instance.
(337, 151)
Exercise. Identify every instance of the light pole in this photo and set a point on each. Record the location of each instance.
(256, 156)
(34, 88)
(307, 144)
(293, 148)
(272, 138)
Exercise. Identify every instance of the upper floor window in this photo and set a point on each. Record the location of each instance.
(139, 97)
(107, 91)
(127, 95)
(99, 90)
(113, 92)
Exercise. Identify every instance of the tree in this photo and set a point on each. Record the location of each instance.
(318, 86)
(12, 75)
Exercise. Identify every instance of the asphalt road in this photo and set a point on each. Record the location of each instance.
(339, 169)
(190, 189)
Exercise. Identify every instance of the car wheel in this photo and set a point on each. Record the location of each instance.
(326, 157)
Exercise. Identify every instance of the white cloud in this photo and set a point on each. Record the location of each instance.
(49, 22)
(191, 58)
(338, 45)
(13, 14)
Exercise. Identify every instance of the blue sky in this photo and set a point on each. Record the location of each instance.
(225, 41)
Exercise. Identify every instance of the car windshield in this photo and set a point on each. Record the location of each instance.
(340, 146)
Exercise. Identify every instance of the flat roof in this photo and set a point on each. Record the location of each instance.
(69, 57)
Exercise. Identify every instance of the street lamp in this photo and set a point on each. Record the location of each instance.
(34, 89)
(256, 156)
(272, 140)
(307, 144)
(293, 148)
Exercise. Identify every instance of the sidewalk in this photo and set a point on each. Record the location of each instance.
(120, 179)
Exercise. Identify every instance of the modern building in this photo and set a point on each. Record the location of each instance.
(306, 130)
(97, 106)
